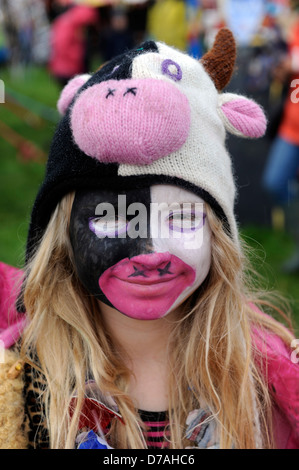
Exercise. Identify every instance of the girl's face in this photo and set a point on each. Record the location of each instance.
(143, 251)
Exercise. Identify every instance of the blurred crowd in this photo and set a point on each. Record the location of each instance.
(76, 36)
(79, 33)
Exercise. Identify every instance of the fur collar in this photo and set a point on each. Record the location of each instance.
(12, 432)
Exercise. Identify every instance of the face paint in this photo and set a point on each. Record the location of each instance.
(144, 277)
(94, 253)
(147, 285)
(191, 236)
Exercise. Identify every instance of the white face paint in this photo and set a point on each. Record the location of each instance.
(183, 230)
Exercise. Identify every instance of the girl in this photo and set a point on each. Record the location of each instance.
(143, 330)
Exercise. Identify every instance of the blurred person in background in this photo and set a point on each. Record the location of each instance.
(280, 177)
(117, 37)
(24, 33)
(166, 22)
(68, 42)
(189, 25)
(4, 50)
(55, 8)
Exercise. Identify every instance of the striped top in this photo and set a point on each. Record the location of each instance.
(157, 433)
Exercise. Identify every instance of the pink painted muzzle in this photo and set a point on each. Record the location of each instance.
(146, 286)
(135, 121)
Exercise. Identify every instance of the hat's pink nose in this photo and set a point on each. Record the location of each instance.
(130, 121)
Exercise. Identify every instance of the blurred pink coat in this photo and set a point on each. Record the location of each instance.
(11, 322)
(275, 361)
(68, 41)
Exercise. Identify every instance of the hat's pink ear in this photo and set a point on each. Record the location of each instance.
(242, 116)
(69, 92)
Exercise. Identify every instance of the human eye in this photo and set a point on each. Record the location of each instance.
(110, 227)
(186, 221)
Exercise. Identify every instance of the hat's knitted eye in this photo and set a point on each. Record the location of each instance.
(172, 69)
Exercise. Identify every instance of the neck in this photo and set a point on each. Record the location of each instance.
(141, 340)
(143, 345)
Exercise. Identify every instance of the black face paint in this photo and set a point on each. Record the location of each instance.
(94, 255)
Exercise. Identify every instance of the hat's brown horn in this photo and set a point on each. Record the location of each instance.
(219, 62)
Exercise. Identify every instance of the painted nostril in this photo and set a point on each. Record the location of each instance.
(165, 270)
(137, 272)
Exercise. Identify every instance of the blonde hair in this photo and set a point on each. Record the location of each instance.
(210, 351)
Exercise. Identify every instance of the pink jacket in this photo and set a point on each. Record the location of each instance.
(68, 42)
(11, 322)
(283, 381)
(275, 361)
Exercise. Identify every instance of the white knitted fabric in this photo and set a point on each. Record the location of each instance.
(203, 160)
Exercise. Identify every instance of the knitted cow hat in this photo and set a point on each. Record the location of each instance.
(153, 115)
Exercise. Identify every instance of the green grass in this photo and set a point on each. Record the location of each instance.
(268, 250)
(19, 182)
(20, 179)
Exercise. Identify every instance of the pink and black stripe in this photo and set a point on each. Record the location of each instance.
(157, 433)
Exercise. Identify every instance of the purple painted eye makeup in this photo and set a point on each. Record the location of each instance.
(179, 221)
(186, 222)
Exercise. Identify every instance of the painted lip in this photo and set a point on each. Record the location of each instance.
(146, 286)
(150, 289)
(154, 268)
(148, 282)
(151, 279)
